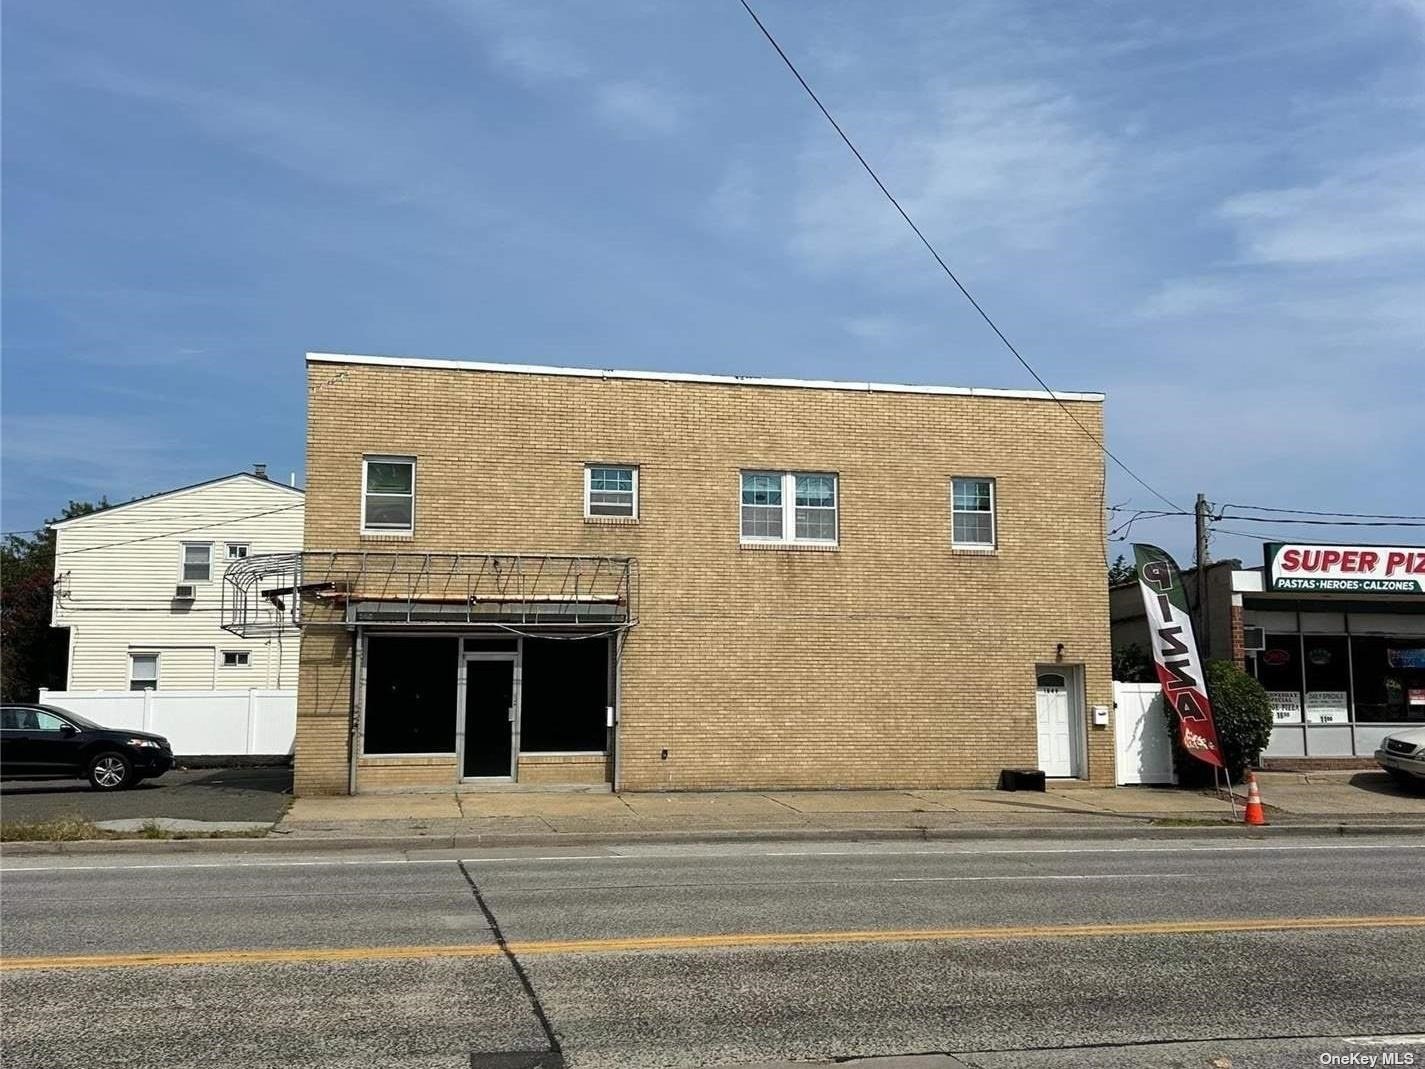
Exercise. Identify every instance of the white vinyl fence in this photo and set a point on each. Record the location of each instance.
(209, 723)
(1144, 748)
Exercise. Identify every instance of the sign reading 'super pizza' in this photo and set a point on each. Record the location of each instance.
(1345, 569)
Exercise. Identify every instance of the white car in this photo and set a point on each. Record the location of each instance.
(1402, 754)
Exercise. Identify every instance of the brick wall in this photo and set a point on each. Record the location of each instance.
(891, 660)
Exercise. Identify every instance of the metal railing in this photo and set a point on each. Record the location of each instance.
(263, 594)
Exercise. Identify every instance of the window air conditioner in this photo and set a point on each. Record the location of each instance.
(184, 592)
(1254, 638)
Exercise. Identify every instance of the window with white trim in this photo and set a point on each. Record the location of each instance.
(789, 506)
(237, 550)
(388, 495)
(235, 658)
(610, 490)
(143, 671)
(197, 562)
(972, 513)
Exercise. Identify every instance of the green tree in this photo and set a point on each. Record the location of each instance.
(1120, 571)
(31, 652)
(1242, 714)
(1133, 664)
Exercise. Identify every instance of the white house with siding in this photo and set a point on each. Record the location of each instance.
(139, 587)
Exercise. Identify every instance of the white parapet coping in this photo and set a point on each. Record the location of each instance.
(679, 376)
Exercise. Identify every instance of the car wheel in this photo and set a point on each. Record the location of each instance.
(110, 771)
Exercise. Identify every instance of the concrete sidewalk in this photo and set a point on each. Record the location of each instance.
(1361, 796)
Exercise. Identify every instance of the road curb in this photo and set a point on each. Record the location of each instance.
(279, 844)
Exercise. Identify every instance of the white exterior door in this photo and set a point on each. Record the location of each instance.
(1054, 706)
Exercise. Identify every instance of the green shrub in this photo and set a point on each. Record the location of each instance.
(1242, 713)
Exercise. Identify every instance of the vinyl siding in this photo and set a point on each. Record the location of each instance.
(116, 573)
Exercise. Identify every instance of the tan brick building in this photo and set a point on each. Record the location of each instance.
(673, 581)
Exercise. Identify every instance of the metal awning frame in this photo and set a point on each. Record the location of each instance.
(268, 593)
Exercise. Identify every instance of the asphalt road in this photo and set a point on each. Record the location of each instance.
(218, 794)
(990, 954)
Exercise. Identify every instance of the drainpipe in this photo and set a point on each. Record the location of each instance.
(358, 701)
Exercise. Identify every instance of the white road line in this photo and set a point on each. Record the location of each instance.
(13, 870)
(1384, 1041)
(1074, 876)
(238, 862)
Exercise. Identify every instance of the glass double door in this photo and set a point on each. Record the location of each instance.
(489, 717)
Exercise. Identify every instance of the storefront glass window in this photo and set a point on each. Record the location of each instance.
(1279, 672)
(410, 695)
(1390, 678)
(1328, 679)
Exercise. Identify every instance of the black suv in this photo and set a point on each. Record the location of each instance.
(46, 742)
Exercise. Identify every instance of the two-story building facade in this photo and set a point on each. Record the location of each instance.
(667, 581)
(139, 587)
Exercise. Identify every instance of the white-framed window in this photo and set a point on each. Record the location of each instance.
(610, 490)
(789, 506)
(972, 513)
(196, 562)
(235, 658)
(388, 495)
(237, 550)
(143, 671)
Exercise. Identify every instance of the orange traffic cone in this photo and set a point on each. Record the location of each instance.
(1253, 813)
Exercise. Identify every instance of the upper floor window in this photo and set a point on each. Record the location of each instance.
(972, 513)
(388, 499)
(610, 490)
(143, 671)
(197, 562)
(237, 550)
(788, 506)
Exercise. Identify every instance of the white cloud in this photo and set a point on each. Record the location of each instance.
(878, 329)
(638, 108)
(1374, 210)
(88, 455)
(528, 40)
(1190, 297)
(537, 59)
(334, 139)
(1007, 166)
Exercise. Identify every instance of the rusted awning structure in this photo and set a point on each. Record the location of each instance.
(268, 593)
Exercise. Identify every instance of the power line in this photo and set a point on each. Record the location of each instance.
(1322, 523)
(1309, 512)
(941, 261)
(182, 530)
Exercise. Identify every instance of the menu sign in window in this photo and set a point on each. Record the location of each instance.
(1286, 706)
(1326, 707)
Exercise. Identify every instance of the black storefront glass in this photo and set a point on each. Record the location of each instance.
(1390, 678)
(1325, 663)
(1278, 668)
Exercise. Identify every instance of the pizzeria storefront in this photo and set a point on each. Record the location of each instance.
(1336, 635)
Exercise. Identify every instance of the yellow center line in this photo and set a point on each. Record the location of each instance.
(728, 941)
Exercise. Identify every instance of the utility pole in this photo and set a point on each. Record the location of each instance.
(1204, 622)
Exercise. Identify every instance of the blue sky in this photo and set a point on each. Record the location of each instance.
(1213, 212)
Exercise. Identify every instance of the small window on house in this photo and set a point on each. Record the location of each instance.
(388, 495)
(197, 562)
(143, 671)
(235, 658)
(787, 506)
(972, 513)
(610, 490)
(237, 550)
